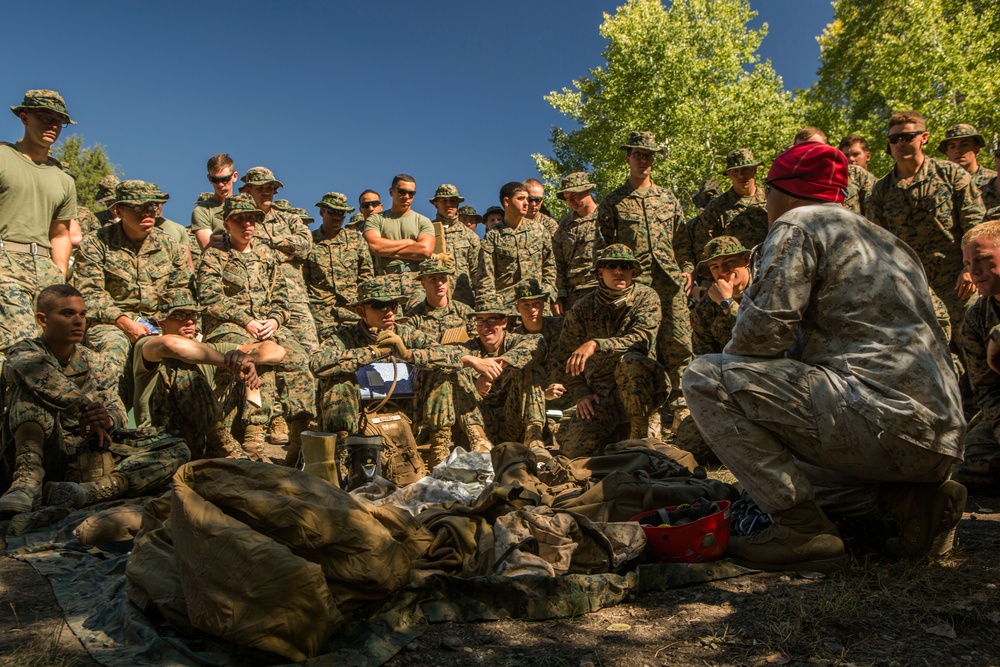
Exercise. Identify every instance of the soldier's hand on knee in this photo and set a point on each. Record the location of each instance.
(102, 437)
(586, 407)
(554, 391)
(578, 360)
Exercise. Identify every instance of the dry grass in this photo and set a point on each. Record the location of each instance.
(41, 649)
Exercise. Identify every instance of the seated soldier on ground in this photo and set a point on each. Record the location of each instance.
(980, 342)
(376, 335)
(836, 393)
(609, 341)
(727, 264)
(62, 404)
(243, 288)
(176, 386)
(438, 312)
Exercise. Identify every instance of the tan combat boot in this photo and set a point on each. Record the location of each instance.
(801, 539)
(533, 441)
(477, 439)
(639, 428)
(71, 494)
(440, 444)
(293, 454)
(26, 489)
(279, 431)
(927, 515)
(253, 443)
(222, 444)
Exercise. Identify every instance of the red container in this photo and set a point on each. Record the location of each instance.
(700, 541)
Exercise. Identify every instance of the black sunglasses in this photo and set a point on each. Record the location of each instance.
(615, 265)
(219, 180)
(406, 193)
(536, 200)
(371, 204)
(384, 305)
(904, 136)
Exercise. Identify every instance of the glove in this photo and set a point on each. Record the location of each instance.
(391, 339)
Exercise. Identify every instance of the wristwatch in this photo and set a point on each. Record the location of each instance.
(726, 304)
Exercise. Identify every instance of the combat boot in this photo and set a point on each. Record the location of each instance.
(293, 454)
(802, 538)
(440, 444)
(253, 443)
(927, 515)
(639, 428)
(26, 489)
(222, 444)
(533, 441)
(655, 429)
(279, 431)
(477, 439)
(75, 496)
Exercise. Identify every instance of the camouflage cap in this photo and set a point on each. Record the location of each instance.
(617, 252)
(302, 214)
(241, 203)
(720, 246)
(260, 176)
(440, 263)
(741, 157)
(470, 210)
(335, 201)
(138, 193)
(529, 288)
(106, 188)
(43, 99)
(644, 140)
(446, 191)
(381, 288)
(282, 205)
(491, 305)
(356, 218)
(958, 132)
(578, 181)
(204, 197)
(175, 300)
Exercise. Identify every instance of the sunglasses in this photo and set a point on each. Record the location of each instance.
(183, 315)
(219, 180)
(904, 136)
(383, 306)
(489, 321)
(405, 193)
(335, 213)
(144, 210)
(536, 200)
(617, 266)
(371, 204)
(50, 119)
(646, 157)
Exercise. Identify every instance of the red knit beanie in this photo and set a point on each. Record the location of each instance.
(810, 170)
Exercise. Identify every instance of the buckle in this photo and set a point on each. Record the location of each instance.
(34, 248)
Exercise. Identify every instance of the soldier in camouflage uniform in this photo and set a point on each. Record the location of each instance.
(376, 336)
(303, 215)
(855, 149)
(979, 339)
(929, 204)
(574, 240)
(860, 181)
(461, 243)
(514, 251)
(739, 211)
(609, 343)
(467, 216)
(493, 217)
(357, 223)
(961, 145)
(338, 262)
(990, 191)
(123, 269)
(206, 218)
(369, 203)
(536, 199)
(37, 203)
(725, 264)
(245, 294)
(61, 402)
(649, 219)
(438, 312)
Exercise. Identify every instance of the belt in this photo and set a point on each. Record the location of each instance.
(26, 248)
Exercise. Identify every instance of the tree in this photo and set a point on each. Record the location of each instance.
(690, 73)
(940, 57)
(89, 165)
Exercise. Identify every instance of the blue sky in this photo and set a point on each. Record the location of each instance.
(330, 95)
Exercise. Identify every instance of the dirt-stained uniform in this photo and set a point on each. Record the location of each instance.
(982, 442)
(334, 269)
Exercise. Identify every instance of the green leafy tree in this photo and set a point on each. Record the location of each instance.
(940, 57)
(89, 165)
(689, 72)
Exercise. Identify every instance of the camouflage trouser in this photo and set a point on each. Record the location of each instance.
(112, 344)
(22, 277)
(435, 399)
(640, 388)
(145, 464)
(187, 406)
(673, 338)
(515, 400)
(301, 325)
(765, 418)
(340, 402)
(982, 455)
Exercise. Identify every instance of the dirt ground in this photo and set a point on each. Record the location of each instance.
(947, 613)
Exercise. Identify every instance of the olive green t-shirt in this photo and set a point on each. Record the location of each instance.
(174, 230)
(31, 197)
(146, 374)
(208, 215)
(392, 226)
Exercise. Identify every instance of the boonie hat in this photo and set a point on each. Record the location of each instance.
(720, 246)
(43, 99)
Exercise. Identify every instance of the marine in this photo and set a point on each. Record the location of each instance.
(574, 241)
(739, 211)
(462, 244)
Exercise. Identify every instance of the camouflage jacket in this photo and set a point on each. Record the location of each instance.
(334, 269)
(616, 331)
(117, 277)
(68, 389)
(930, 214)
(990, 194)
(546, 221)
(435, 321)
(555, 367)
(982, 322)
(729, 214)
(237, 287)
(350, 348)
(86, 219)
(983, 176)
(291, 240)
(507, 256)
(463, 246)
(573, 249)
(651, 222)
(711, 327)
(822, 298)
(860, 182)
